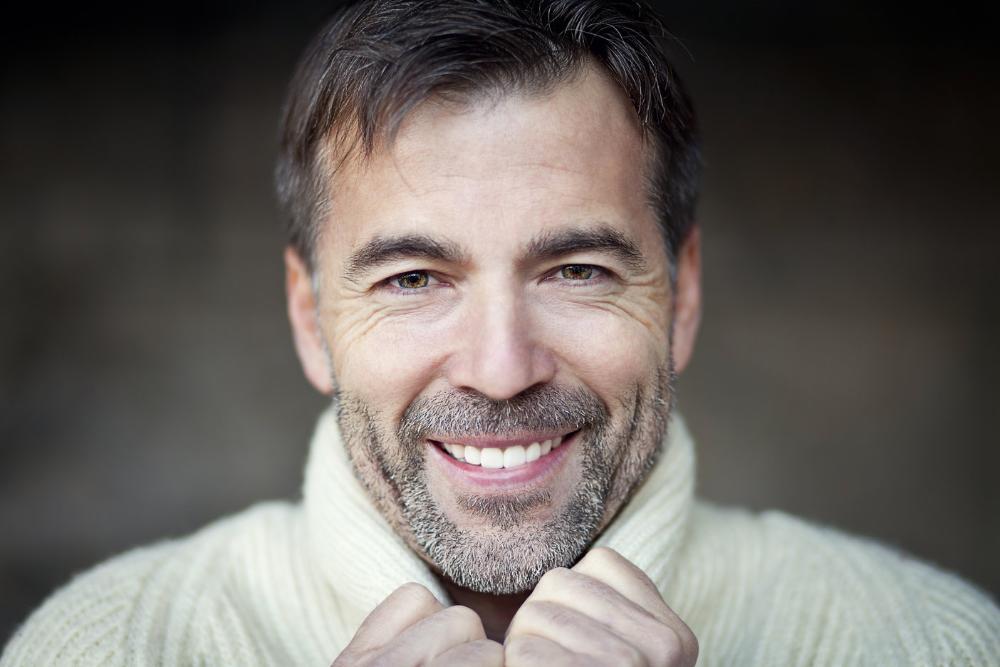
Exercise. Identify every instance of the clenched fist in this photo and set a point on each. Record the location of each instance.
(410, 627)
(604, 611)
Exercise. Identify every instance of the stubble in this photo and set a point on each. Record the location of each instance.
(512, 553)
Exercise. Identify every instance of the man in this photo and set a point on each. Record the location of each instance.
(493, 269)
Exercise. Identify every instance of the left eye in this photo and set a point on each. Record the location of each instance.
(578, 271)
(412, 280)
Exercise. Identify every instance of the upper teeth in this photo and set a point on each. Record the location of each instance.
(509, 457)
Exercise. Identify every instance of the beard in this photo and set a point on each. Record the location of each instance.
(511, 553)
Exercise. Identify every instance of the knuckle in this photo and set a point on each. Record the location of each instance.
(554, 579)
(666, 648)
(603, 556)
(415, 594)
(689, 644)
(609, 560)
(534, 613)
(527, 613)
(414, 590)
(674, 646)
(464, 617)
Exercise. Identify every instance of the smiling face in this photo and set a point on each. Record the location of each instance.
(494, 307)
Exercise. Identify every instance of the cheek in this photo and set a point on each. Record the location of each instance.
(388, 361)
(609, 352)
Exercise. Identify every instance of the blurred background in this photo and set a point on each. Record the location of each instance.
(847, 367)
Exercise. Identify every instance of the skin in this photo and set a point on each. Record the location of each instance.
(498, 324)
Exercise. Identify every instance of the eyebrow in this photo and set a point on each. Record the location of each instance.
(382, 250)
(601, 237)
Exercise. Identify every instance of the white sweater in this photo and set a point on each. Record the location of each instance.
(288, 584)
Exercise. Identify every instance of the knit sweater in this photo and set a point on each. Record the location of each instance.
(288, 584)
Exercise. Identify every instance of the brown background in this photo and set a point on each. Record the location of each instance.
(847, 366)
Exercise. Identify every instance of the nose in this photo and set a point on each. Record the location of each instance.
(497, 349)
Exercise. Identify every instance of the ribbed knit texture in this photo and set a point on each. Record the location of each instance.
(288, 584)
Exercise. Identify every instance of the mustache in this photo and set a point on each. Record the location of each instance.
(469, 413)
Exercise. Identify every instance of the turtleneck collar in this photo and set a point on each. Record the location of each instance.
(364, 560)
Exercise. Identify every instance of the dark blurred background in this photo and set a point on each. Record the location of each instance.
(847, 368)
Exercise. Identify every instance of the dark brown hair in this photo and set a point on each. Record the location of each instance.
(377, 59)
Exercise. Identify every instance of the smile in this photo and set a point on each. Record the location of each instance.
(511, 456)
(491, 463)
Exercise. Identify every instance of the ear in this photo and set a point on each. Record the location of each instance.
(687, 299)
(302, 313)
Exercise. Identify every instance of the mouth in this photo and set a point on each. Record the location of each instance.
(492, 462)
(509, 456)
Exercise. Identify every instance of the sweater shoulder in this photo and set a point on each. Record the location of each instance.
(836, 598)
(915, 611)
(137, 607)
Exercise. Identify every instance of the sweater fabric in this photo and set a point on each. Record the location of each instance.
(289, 584)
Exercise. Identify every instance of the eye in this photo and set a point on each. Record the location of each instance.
(411, 280)
(579, 272)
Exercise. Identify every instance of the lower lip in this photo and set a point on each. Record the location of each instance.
(536, 472)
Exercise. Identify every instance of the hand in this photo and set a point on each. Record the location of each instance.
(410, 627)
(604, 611)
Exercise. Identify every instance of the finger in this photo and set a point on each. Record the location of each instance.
(430, 637)
(653, 637)
(405, 606)
(608, 566)
(595, 599)
(532, 651)
(611, 568)
(575, 632)
(480, 653)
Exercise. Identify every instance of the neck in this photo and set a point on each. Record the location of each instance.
(496, 611)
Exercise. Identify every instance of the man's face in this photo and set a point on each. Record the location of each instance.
(496, 280)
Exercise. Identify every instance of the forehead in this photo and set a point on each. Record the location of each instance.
(496, 172)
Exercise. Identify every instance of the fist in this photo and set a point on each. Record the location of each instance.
(604, 611)
(410, 627)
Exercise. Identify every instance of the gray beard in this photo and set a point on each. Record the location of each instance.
(508, 557)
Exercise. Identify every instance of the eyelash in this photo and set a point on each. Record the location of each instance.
(391, 281)
(601, 274)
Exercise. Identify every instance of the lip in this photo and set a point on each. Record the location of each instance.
(483, 442)
(536, 473)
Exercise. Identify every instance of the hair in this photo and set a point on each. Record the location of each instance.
(376, 60)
